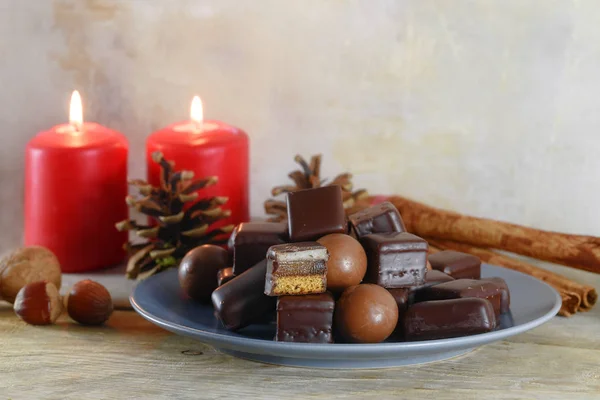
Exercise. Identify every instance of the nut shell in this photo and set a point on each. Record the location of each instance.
(89, 303)
(366, 313)
(27, 265)
(198, 271)
(347, 262)
(38, 303)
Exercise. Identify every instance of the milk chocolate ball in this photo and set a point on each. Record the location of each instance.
(198, 271)
(365, 314)
(347, 263)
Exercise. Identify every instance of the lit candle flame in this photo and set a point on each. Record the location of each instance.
(76, 110)
(196, 112)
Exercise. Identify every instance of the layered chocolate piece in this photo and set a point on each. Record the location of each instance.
(448, 318)
(505, 297)
(395, 259)
(251, 240)
(224, 275)
(305, 319)
(381, 218)
(465, 288)
(456, 264)
(242, 300)
(296, 268)
(313, 213)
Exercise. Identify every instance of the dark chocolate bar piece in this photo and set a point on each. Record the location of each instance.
(224, 275)
(463, 288)
(505, 298)
(313, 213)
(251, 240)
(242, 301)
(296, 268)
(403, 300)
(448, 318)
(456, 264)
(305, 319)
(432, 277)
(396, 259)
(381, 218)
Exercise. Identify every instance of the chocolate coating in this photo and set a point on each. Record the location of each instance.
(251, 240)
(241, 301)
(224, 275)
(347, 262)
(456, 264)
(464, 288)
(448, 318)
(366, 314)
(505, 296)
(305, 319)
(198, 270)
(432, 277)
(313, 213)
(381, 218)
(394, 260)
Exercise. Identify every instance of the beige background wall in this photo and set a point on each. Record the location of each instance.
(487, 107)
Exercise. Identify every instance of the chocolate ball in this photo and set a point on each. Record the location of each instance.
(198, 271)
(347, 263)
(365, 314)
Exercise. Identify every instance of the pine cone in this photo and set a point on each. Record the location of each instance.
(310, 177)
(181, 221)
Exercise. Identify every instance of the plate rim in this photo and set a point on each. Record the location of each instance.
(261, 346)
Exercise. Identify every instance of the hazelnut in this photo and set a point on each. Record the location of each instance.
(88, 303)
(38, 303)
(27, 265)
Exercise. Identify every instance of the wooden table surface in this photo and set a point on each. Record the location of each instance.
(131, 358)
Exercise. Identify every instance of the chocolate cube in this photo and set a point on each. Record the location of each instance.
(396, 259)
(403, 300)
(251, 240)
(305, 319)
(313, 213)
(432, 277)
(296, 268)
(448, 318)
(224, 275)
(456, 264)
(505, 298)
(381, 218)
(464, 288)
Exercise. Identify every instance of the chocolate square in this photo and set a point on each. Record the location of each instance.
(505, 297)
(432, 277)
(296, 269)
(251, 240)
(402, 297)
(465, 288)
(313, 213)
(448, 318)
(380, 218)
(396, 259)
(456, 264)
(305, 319)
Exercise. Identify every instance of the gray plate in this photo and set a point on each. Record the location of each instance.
(159, 300)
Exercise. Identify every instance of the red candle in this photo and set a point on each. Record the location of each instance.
(208, 148)
(75, 188)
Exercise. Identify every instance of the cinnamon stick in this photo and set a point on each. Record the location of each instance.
(576, 297)
(581, 252)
